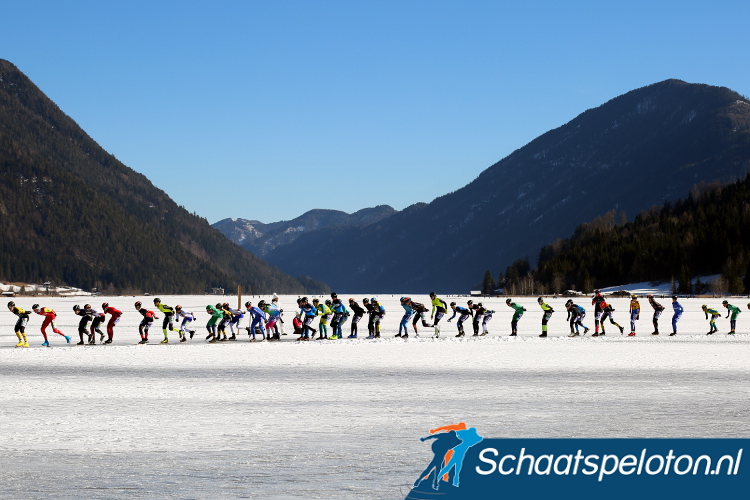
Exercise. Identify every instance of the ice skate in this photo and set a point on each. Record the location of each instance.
(45, 343)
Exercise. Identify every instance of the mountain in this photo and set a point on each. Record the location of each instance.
(262, 238)
(640, 149)
(71, 213)
(705, 234)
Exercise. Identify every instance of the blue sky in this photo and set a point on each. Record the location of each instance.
(265, 110)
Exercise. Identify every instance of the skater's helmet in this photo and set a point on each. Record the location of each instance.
(208, 307)
(406, 300)
(470, 303)
(218, 306)
(157, 300)
(138, 305)
(334, 295)
(508, 301)
(36, 306)
(178, 308)
(225, 305)
(248, 303)
(569, 303)
(351, 299)
(453, 304)
(87, 306)
(275, 298)
(649, 296)
(316, 301)
(540, 300)
(76, 307)
(303, 300)
(262, 304)
(674, 297)
(704, 306)
(365, 300)
(432, 294)
(479, 305)
(598, 292)
(11, 304)
(634, 296)
(329, 303)
(725, 302)
(105, 305)
(373, 299)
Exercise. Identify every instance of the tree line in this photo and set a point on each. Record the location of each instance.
(708, 233)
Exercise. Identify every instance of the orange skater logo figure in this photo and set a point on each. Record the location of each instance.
(449, 449)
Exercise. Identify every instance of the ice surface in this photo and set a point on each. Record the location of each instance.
(340, 419)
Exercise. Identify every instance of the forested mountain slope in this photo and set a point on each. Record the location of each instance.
(72, 213)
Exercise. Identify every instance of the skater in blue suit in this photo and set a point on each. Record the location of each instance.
(408, 313)
(676, 316)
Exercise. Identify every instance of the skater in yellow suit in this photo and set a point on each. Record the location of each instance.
(20, 329)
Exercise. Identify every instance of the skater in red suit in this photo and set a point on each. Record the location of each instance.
(49, 319)
(113, 320)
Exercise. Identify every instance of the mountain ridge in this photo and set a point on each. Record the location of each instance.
(637, 150)
(261, 238)
(72, 213)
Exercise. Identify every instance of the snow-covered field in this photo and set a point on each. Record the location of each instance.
(340, 419)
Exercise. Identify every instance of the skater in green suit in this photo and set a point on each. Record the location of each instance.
(216, 315)
(734, 311)
(519, 310)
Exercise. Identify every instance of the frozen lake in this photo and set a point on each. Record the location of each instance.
(340, 419)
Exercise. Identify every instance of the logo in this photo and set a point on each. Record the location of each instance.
(449, 447)
(465, 465)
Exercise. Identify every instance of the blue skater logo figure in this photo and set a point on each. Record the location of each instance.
(450, 447)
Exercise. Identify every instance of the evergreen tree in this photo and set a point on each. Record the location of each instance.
(488, 284)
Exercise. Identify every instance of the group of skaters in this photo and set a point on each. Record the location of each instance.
(334, 314)
(604, 311)
(265, 319)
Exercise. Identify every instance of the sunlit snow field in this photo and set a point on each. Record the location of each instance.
(341, 419)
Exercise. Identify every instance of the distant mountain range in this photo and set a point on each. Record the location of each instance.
(640, 149)
(71, 213)
(262, 238)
